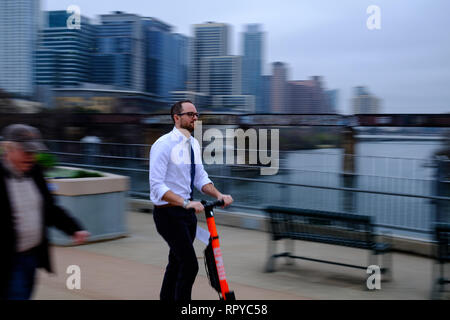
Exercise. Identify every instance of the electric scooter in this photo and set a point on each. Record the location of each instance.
(213, 256)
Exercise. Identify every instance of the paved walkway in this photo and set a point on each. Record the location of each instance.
(132, 268)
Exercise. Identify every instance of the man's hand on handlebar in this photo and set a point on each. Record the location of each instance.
(227, 199)
(196, 205)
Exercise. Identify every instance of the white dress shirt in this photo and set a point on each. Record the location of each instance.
(170, 166)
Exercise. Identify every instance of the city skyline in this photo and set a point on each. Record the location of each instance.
(406, 62)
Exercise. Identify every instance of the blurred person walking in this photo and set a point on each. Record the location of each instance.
(27, 208)
(175, 169)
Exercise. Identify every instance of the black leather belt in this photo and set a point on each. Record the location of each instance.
(165, 206)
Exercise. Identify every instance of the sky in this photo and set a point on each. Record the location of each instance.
(405, 63)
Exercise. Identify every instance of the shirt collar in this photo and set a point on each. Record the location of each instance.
(180, 135)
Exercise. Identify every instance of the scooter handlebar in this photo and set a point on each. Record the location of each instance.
(216, 203)
(209, 204)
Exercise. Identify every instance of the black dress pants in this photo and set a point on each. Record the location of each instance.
(178, 227)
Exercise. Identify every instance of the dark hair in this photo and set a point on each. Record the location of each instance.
(177, 107)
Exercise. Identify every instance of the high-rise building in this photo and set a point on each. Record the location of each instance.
(364, 102)
(252, 60)
(221, 75)
(307, 97)
(119, 57)
(64, 55)
(214, 72)
(19, 25)
(200, 100)
(234, 103)
(182, 45)
(210, 40)
(266, 93)
(279, 87)
(166, 58)
(332, 96)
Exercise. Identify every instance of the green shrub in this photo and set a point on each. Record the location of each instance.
(46, 160)
(85, 174)
(61, 173)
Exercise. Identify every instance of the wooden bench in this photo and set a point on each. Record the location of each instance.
(333, 228)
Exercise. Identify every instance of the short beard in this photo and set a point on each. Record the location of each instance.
(188, 128)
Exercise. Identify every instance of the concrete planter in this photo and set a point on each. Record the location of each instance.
(98, 203)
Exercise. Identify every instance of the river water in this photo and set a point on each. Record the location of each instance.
(404, 167)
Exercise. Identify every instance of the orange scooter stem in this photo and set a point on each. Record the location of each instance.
(214, 239)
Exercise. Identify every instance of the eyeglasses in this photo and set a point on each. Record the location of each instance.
(190, 114)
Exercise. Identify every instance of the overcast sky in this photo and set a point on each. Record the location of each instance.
(406, 63)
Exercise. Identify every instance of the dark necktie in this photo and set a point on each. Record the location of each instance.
(192, 172)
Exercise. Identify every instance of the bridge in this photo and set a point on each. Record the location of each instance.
(266, 119)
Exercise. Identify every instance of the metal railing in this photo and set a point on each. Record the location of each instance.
(400, 193)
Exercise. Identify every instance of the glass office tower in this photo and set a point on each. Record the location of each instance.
(210, 40)
(64, 55)
(252, 62)
(119, 57)
(19, 25)
(166, 59)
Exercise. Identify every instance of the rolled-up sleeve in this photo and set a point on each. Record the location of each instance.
(159, 159)
(201, 179)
